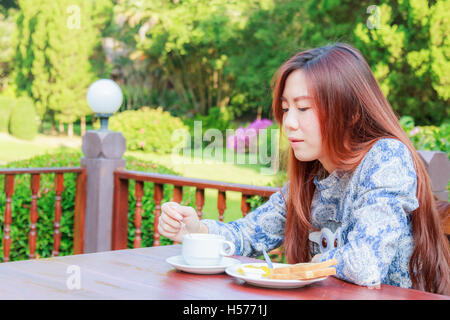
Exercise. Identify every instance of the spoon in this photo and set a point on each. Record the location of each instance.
(185, 228)
(266, 257)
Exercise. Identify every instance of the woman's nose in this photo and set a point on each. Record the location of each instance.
(291, 121)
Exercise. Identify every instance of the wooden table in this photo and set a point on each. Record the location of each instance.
(144, 274)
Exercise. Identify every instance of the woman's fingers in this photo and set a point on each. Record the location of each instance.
(167, 230)
(170, 229)
(169, 209)
(172, 215)
(169, 221)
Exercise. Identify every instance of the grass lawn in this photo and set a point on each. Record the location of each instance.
(13, 149)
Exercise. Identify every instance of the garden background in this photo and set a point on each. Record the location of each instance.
(182, 61)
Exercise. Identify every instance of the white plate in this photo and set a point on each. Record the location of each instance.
(178, 263)
(254, 277)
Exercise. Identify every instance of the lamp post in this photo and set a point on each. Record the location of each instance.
(104, 97)
(103, 150)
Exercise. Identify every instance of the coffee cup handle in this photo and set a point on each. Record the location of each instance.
(231, 248)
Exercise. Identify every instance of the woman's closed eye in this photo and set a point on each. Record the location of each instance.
(298, 108)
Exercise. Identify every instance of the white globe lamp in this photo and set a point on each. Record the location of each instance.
(104, 97)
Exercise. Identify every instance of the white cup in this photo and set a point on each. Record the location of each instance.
(203, 249)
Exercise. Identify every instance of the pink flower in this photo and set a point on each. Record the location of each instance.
(414, 131)
(231, 142)
(260, 124)
(142, 144)
(141, 130)
(244, 136)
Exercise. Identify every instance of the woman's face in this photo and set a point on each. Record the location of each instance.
(300, 121)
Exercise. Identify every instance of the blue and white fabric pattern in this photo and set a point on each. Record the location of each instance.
(369, 210)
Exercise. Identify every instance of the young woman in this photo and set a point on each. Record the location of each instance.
(357, 192)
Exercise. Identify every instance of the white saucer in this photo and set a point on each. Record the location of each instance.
(178, 263)
(255, 277)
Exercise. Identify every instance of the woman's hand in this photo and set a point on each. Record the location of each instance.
(172, 216)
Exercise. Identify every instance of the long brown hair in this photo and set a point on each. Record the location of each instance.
(353, 115)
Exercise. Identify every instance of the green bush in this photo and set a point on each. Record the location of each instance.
(21, 207)
(432, 138)
(22, 123)
(46, 201)
(215, 119)
(148, 129)
(6, 106)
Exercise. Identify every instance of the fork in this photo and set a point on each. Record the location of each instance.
(267, 258)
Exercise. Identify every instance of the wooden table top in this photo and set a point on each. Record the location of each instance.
(144, 274)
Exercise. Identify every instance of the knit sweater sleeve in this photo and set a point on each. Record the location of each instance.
(263, 228)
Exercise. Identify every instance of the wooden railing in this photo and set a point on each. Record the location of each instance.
(121, 190)
(35, 173)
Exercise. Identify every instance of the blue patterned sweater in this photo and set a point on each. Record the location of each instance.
(364, 218)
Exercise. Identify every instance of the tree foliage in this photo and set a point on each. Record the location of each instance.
(409, 52)
(211, 53)
(55, 43)
(7, 23)
(192, 56)
(405, 42)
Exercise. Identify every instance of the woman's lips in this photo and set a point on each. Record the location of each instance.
(295, 142)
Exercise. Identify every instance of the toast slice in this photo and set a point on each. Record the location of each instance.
(304, 275)
(303, 267)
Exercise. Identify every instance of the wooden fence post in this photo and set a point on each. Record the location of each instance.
(103, 151)
(438, 168)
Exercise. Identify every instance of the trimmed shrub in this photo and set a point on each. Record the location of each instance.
(148, 129)
(21, 203)
(6, 107)
(22, 123)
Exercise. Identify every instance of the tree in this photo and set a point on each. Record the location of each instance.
(405, 42)
(7, 25)
(56, 41)
(183, 45)
(409, 52)
(271, 35)
(216, 53)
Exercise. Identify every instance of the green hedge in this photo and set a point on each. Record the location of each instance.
(46, 201)
(22, 123)
(427, 137)
(6, 107)
(147, 129)
(431, 138)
